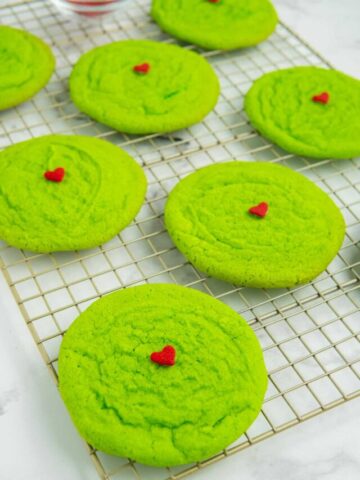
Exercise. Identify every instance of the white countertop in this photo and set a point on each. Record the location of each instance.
(37, 439)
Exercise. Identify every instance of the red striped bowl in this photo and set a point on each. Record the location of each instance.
(89, 8)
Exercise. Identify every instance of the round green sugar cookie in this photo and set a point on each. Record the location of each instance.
(98, 193)
(125, 404)
(293, 234)
(172, 89)
(308, 111)
(223, 25)
(26, 65)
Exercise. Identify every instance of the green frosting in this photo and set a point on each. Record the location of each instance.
(280, 106)
(101, 193)
(179, 89)
(207, 217)
(225, 25)
(26, 65)
(126, 405)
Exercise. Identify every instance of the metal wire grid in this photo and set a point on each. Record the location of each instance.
(310, 334)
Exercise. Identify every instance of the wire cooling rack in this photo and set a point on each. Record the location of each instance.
(309, 334)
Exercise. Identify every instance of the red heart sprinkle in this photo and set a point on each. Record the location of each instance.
(56, 175)
(259, 210)
(213, 1)
(165, 357)
(142, 68)
(321, 98)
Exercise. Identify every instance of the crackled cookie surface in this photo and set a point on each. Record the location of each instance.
(289, 242)
(26, 65)
(309, 111)
(222, 24)
(125, 404)
(66, 192)
(140, 86)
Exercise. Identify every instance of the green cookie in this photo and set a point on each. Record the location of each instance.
(281, 106)
(207, 216)
(178, 89)
(222, 24)
(124, 404)
(27, 64)
(100, 193)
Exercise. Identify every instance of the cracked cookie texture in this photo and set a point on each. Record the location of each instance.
(224, 25)
(27, 64)
(101, 193)
(179, 89)
(280, 106)
(207, 216)
(126, 405)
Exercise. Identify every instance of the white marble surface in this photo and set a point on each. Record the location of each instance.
(332, 27)
(37, 439)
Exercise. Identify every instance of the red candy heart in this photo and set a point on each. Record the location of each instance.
(165, 357)
(214, 1)
(259, 210)
(56, 175)
(321, 98)
(142, 68)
